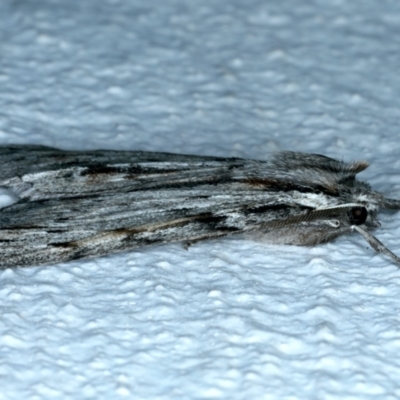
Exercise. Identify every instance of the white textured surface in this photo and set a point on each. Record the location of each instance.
(229, 319)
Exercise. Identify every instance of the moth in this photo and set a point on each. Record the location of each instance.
(76, 204)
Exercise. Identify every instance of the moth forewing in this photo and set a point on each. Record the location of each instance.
(76, 204)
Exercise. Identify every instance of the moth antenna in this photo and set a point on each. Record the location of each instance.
(391, 204)
(346, 206)
(376, 244)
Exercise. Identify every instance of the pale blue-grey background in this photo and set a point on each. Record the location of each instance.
(228, 319)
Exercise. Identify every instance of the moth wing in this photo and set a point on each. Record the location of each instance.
(18, 160)
(47, 231)
(78, 204)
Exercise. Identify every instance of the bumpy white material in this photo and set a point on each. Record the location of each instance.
(229, 319)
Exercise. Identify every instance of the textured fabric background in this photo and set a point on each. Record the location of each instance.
(227, 319)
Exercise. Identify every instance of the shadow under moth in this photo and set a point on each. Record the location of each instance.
(76, 204)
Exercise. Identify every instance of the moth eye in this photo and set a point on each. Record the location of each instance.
(358, 215)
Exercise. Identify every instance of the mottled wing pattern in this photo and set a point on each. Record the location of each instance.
(79, 204)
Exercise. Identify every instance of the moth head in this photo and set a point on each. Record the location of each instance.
(362, 196)
(363, 215)
(357, 215)
(360, 211)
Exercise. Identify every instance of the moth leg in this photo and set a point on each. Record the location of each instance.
(186, 244)
(391, 204)
(189, 243)
(376, 244)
